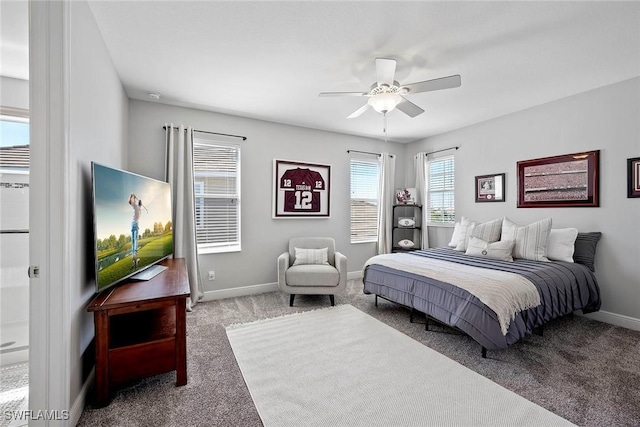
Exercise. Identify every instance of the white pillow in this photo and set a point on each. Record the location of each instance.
(508, 229)
(531, 240)
(501, 250)
(311, 256)
(562, 244)
(463, 237)
(455, 237)
(488, 231)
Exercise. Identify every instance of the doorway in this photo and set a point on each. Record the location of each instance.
(14, 262)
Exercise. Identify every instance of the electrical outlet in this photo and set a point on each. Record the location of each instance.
(212, 275)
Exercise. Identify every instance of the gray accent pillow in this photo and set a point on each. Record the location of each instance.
(585, 249)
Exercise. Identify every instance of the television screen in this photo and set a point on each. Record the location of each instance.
(132, 222)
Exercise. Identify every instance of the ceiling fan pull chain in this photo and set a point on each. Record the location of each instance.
(384, 129)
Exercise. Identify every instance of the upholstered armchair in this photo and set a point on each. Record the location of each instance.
(312, 267)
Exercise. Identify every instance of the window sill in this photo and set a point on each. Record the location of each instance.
(364, 241)
(218, 250)
(448, 225)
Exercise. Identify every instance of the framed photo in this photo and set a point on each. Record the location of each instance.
(490, 188)
(301, 190)
(560, 181)
(633, 177)
(406, 196)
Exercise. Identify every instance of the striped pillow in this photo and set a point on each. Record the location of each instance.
(488, 231)
(311, 256)
(531, 240)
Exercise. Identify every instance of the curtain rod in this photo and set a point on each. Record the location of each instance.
(368, 152)
(444, 149)
(244, 138)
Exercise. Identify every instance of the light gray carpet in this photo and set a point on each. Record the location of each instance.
(14, 392)
(340, 366)
(585, 371)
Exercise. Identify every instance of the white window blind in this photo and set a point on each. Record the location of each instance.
(441, 190)
(216, 168)
(364, 200)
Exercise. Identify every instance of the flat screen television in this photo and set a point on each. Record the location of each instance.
(132, 224)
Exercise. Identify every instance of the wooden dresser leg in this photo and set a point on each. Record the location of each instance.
(181, 341)
(101, 320)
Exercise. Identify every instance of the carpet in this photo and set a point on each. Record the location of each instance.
(14, 392)
(339, 366)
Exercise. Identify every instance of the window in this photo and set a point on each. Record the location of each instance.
(441, 190)
(364, 200)
(14, 140)
(216, 168)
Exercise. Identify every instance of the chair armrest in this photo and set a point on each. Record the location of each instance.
(283, 265)
(341, 266)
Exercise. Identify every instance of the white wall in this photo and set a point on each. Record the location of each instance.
(263, 238)
(98, 122)
(605, 119)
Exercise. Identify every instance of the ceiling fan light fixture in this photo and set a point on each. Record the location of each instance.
(384, 102)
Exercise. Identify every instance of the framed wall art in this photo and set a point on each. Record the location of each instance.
(490, 188)
(301, 190)
(568, 180)
(633, 177)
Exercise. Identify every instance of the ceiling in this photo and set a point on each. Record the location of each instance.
(269, 60)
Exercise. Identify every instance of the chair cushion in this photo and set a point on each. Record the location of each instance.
(312, 275)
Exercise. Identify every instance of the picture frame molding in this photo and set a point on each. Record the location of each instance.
(592, 189)
(322, 199)
(484, 196)
(633, 177)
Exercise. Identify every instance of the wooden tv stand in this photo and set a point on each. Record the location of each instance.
(140, 329)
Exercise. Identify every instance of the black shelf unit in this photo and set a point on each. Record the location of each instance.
(413, 232)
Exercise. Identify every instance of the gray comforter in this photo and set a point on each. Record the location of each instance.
(564, 288)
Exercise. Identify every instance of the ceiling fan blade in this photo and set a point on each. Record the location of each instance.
(385, 71)
(359, 111)
(343, 94)
(409, 108)
(435, 84)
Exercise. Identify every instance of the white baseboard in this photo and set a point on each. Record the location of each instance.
(240, 292)
(256, 289)
(354, 275)
(81, 400)
(614, 319)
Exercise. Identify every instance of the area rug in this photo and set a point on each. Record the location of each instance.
(341, 367)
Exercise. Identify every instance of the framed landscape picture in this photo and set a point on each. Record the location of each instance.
(633, 177)
(561, 181)
(301, 190)
(490, 188)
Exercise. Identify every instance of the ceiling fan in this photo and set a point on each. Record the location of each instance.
(387, 94)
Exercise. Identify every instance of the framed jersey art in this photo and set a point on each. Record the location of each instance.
(301, 189)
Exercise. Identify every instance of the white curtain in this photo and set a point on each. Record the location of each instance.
(420, 162)
(385, 206)
(180, 176)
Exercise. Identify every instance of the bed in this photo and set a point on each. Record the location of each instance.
(461, 291)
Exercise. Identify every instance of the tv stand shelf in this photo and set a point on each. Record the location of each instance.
(140, 329)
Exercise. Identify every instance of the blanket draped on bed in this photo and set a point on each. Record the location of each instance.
(504, 292)
(562, 288)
